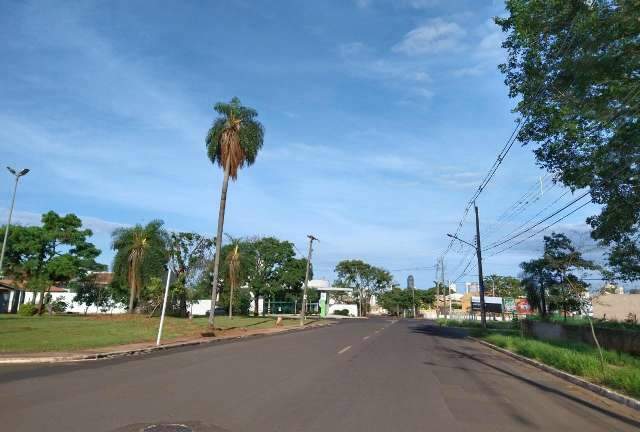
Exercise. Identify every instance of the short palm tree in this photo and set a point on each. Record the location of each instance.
(133, 245)
(233, 274)
(234, 140)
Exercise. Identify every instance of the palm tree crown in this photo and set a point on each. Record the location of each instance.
(235, 136)
(138, 250)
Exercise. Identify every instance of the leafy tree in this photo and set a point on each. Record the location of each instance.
(396, 300)
(267, 266)
(503, 286)
(574, 66)
(233, 140)
(141, 253)
(191, 257)
(558, 287)
(365, 279)
(89, 292)
(56, 252)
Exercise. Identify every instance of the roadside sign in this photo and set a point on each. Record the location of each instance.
(491, 304)
(509, 305)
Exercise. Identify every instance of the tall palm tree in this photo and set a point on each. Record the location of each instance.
(138, 248)
(232, 142)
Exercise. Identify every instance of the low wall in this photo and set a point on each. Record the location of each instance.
(612, 339)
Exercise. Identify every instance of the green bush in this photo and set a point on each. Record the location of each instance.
(27, 309)
(59, 306)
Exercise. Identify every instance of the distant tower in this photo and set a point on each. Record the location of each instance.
(410, 282)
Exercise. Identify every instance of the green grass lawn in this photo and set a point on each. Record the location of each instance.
(75, 332)
(621, 372)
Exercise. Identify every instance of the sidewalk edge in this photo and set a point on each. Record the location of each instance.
(580, 382)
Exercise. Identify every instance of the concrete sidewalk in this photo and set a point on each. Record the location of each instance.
(147, 347)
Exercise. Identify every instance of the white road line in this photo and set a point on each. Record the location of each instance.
(366, 337)
(344, 350)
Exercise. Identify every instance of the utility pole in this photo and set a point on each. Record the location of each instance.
(450, 305)
(413, 294)
(303, 309)
(478, 248)
(13, 201)
(444, 289)
(483, 309)
(437, 281)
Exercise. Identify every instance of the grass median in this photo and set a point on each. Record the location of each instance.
(77, 332)
(621, 371)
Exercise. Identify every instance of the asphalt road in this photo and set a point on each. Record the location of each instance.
(373, 375)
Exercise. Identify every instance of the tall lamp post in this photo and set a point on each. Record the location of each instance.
(17, 175)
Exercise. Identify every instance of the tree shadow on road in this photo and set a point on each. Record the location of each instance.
(460, 334)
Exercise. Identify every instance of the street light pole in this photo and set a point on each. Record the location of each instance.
(13, 201)
(303, 309)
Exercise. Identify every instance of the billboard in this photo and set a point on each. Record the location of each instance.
(491, 304)
(523, 307)
(509, 305)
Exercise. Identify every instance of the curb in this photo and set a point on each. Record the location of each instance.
(580, 382)
(147, 350)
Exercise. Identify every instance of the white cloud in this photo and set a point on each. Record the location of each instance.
(409, 76)
(421, 4)
(97, 225)
(437, 35)
(363, 4)
(488, 52)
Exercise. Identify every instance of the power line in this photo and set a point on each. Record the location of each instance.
(496, 244)
(505, 150)
(541, 230)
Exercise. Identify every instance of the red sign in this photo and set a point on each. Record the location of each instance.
(523, 307)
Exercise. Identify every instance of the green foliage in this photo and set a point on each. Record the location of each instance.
(239, 121)
(191, 255)
(503, 286)
(341, 312)
(477, 324)
(548, 281)
(54, 253)
(90, 293)
(622, 371)
(241, 301)
(27, 309)
(59, 306)
(583, 55)
(396, 300)
(365, 279)
(141, 254)
(269, 267)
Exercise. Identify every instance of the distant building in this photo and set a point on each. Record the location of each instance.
(617, 307)
(611, 288)
(471, 287)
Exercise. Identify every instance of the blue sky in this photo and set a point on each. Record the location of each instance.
(381, 118)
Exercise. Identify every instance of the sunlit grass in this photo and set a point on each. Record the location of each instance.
(76, 332)
(621, 371)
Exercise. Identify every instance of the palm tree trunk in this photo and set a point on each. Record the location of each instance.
(216, 259)
(231, 302)
(132, 285)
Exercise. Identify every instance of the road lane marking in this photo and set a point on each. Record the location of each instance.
(366, 337)
(344, 350)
